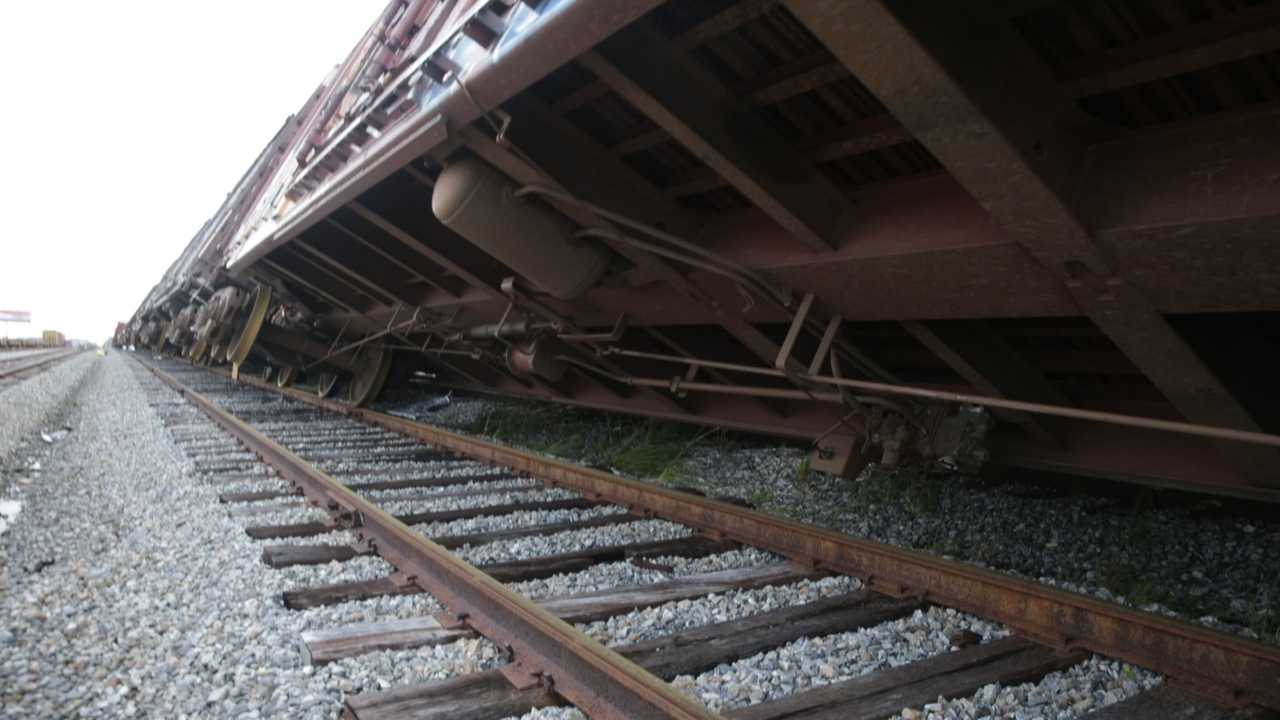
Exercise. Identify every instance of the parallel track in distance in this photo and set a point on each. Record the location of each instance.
(13, 371)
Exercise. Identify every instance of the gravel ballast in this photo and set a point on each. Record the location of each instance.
(1192, 559)
(125, 590)
(27, 406)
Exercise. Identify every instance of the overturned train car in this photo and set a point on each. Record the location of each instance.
(951, 233)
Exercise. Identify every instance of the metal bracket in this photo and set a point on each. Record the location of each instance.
(618, 329)
(402, 580)
(450, 620)
(797, 325)
(521, 677)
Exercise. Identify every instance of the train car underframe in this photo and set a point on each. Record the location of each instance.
(944, 233)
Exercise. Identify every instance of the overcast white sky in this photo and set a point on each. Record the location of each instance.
(124, 125)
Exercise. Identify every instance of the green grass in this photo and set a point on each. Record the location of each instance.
(759, 497)
(804, 469)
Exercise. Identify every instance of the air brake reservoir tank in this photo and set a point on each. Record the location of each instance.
(477, 201)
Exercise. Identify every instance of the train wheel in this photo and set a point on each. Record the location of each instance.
(328, 383)
(158, 345)
(364, 387)
(243, 340)
(286, 376)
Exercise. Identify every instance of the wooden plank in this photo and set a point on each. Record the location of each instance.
(603, 604)
(239, 467)
(474, 539)
(478, 696)
(701, 649)
(728, 641)
(308, 529)
(1009, 661)
(381, 457)
(373, 441)
(245, 497)
(508, 572)
(427, 497)
(319, 647)
(279, 556)
(1169, 702)
(234, 478)
(450, 515)
(323, 646)
(275, 532)
(548, 565)
(427, 482)
(334, 593)
(251, 510)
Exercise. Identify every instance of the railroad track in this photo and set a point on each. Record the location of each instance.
(379, 477)
(14, 370)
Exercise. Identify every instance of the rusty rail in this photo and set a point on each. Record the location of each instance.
(38, 363)
(543, 647)
(1215, 663)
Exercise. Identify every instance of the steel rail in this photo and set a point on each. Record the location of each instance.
(1215, 663)
(38, 363)
(594, 678)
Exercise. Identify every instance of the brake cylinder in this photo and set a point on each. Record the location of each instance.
(477, 201)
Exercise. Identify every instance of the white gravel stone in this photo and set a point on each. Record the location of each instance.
(1071, 693)
(814, 662)
(27, 406)
(125, 589)
(1216, 569)
(574, 541)
(611, 575)
(641, 625)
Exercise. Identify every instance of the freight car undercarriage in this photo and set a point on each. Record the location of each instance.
(940, 233)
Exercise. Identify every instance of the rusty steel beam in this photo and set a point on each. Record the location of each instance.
(873, 133)
(515, 167)
(1215, 662)
(418, 275)
(1235, 36)
(863, 136)
(424, 249)
(1024, 169)
(794, 78)
(339, 269)
(723, 22)
(585, 672)
(590, 171)
(681, 96)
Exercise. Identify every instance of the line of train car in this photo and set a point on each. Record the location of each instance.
(951, 234)
(48, 338)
